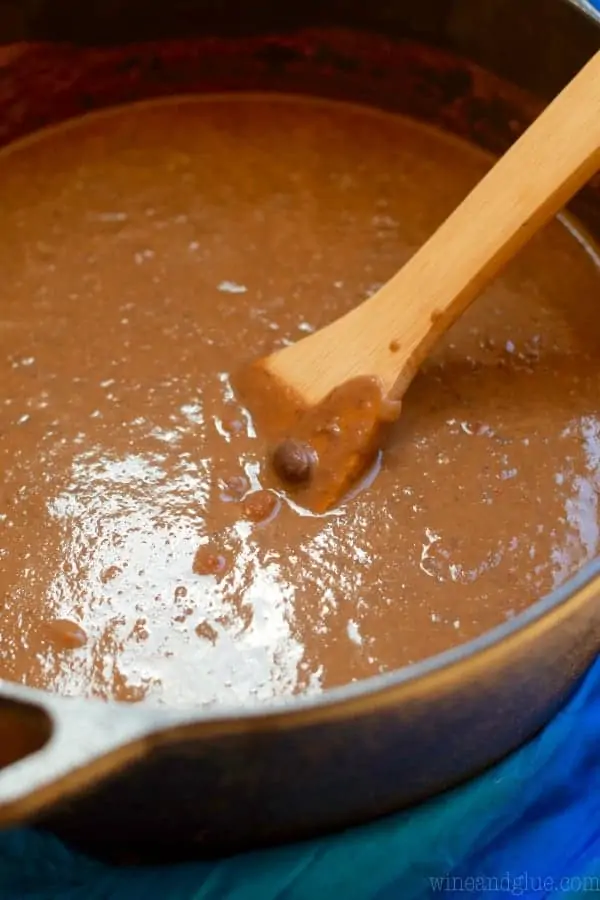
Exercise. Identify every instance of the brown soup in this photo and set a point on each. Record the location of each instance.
(145, 253)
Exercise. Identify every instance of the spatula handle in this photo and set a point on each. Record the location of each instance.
(534, 179)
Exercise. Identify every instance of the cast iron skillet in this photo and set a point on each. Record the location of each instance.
(177, 783)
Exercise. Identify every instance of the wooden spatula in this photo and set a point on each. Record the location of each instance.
(322, 401)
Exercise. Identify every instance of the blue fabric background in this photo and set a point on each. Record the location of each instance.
(530, 828)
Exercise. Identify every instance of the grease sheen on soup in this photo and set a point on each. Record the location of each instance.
(148, 251)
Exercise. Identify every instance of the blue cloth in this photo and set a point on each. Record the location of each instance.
(530, 827)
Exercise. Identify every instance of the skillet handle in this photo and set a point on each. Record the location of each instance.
(52, 746)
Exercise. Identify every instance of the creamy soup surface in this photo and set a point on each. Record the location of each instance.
(145, 253)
